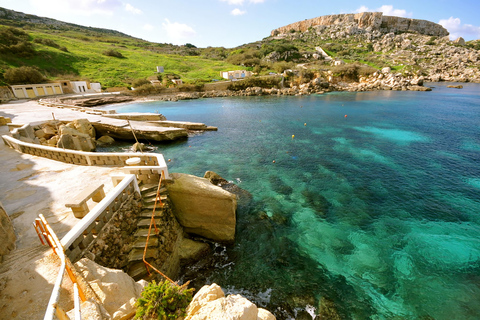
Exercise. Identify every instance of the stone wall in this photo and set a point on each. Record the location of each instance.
(368, 20)
(112, 245)
(84, 158)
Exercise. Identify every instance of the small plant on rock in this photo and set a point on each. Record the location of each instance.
(163, 301)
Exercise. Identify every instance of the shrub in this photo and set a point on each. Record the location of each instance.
(163, 301)
(47, 42)
(113, 53)
(23, 75)
(281, 66)
(254, 82)
(146, 89)
(140, 82)
(431, 41)
(351, 72)
(190, 87)
(15, 41)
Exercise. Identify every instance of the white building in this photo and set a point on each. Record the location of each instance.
(236, 74)
(30, 91)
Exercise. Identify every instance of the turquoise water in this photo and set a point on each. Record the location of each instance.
(378, 211)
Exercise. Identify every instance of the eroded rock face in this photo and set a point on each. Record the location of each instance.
(203, 208)
(7, 234)
(210, 303)
(373, 21)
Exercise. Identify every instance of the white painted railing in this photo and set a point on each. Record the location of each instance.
(82, 234)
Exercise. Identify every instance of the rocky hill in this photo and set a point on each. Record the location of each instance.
(368, 22)
(23, 20)
(408, 47)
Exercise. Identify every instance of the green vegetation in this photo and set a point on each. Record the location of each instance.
(163, 301)
(66, 51)
(268, 83)
(23, 75)
(73, 54)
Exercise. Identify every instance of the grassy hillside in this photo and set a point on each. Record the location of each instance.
(76, 54)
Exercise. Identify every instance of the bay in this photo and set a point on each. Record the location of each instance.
(371, 200)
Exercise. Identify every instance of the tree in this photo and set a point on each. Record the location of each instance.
(23, 75)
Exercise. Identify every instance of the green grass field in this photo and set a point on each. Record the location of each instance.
(85, 59)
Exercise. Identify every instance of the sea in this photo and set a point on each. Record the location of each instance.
(366, 201)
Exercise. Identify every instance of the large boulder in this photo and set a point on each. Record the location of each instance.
(7, 234)
(203, 208)
(210, 303)
(116, 290)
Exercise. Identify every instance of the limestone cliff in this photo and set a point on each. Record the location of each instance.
(373, 21)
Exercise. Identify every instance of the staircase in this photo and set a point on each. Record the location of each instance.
(136, 267)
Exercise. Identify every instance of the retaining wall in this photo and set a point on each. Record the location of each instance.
(155, 163)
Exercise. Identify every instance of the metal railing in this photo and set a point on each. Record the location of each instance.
(48, 237)
(152, 223)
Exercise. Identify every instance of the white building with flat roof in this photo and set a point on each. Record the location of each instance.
(236, 74)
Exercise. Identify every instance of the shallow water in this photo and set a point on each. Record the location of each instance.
(373, 200)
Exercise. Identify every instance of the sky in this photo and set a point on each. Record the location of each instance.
(231, 23)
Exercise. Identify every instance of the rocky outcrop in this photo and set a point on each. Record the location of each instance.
(143, 132)
(116, 290)
(7, 234)
(210, 303)
(203, 208)
(76, 135)
(371, 21)
(97, 101)
(137, 116)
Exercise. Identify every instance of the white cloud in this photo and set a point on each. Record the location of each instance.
(387, 10)
(234, 2)
(178, 32)
(238, 12)
(82, 7)
(148, 27)
(457, 29)
(241, 2)
(132, 9)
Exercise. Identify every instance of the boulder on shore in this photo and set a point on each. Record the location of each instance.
(203, 208)
(210, 303)
(116, 290)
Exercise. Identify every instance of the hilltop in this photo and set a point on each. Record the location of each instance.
(61, 50)
(338, 49)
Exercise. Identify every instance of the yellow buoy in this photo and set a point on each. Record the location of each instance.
(305, 124)
(293, 136)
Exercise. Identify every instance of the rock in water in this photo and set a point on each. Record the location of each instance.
(138, 147)
(202, 208)
(210, 303)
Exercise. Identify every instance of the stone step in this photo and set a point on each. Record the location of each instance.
(145, 223)
(152, 199)
(149, 188)
(149, 206)
(152, 242)
(149, 194)
(137, 270)
(147, 214)
(137, 254)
